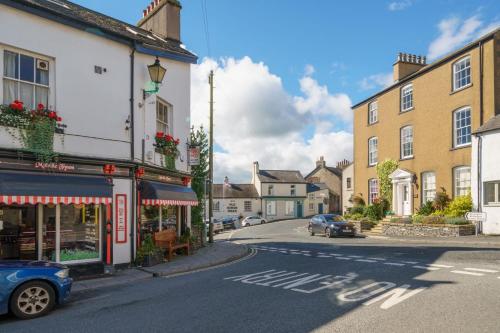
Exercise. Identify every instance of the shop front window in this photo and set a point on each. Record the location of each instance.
(151, 218)
(17, 232)
(80, 238)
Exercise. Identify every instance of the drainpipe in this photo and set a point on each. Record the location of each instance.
(132, 152)
(479, 167)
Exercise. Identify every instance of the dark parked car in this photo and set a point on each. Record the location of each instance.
(30, 289)
(330, 225)
(229, 222)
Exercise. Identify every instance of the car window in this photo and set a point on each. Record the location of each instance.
(334, 218)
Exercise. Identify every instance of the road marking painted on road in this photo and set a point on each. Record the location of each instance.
(467, 273)
(323, 256)
(355, 256)
(365, 260)
(410, 262)
(427, 268)
(481, 270)
(440, 266)
(335, 254)
(285, 252)
(306, 254)
(381, 259)
(393, 264)
(343, 258)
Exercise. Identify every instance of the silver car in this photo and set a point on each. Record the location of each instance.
(252, 220)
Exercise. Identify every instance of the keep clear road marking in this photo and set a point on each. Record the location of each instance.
(481, 270)
(366, 260)
(393, 264)
(467, 273)
(427, 268)
(441, 266)
(343, 258)
(385, 292)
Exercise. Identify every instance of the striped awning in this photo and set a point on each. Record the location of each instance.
(25, 188)
(162, 194)
(33, 200)
(159, 202)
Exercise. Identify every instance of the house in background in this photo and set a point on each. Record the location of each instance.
(424, 120)
(486, 174)
(282, 192)
(235, 200)
(332, 177)
(347, 185)
(317, 199)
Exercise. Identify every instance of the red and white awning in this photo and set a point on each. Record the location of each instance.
(38, 199)
(159, 202)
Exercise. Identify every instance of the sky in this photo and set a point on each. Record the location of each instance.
(288, 71)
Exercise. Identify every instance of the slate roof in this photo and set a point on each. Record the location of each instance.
(490, 125)
(65, 11)
(335, 171)
(316, 187)
(235, 191)
(281, 176)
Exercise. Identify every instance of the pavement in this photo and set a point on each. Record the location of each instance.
(217, 253)
(293, 282)
(480, 240)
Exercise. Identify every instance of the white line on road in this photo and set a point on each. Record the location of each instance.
(381, 259)
(356, 256)
(410, 262)
(323, 256)
(481, 270)
(427, 268)
(393, 264)
(440, 266)
(306, 254)
(366, 260)
(467, 273)
(342, 258)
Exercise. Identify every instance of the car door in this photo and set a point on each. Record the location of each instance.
(315, 223)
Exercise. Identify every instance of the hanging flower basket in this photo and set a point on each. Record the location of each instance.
(167, 146)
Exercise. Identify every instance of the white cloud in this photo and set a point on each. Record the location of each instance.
(455, 32)
(399, 5)
(381, 80)
(309, 70)
(257, 120)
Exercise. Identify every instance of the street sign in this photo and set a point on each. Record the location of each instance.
(194, 155)
(476, 216)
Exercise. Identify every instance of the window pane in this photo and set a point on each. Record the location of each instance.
(79, 232)
(26, 95)
(27, 68)
(9, 91)
(10, 65)
(42, 96)
(42, 77)
(489, 193)
(18, 232)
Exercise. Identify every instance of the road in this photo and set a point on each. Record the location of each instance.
(293, 282)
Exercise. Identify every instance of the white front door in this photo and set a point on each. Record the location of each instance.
(406, 199)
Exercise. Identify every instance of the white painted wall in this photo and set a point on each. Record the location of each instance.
(283, 190)
(490, 171)
(348, 172)
(240, 204)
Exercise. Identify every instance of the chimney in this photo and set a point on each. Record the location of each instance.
(163, 17)
(342, 164)
(407, 64)
(321, 163)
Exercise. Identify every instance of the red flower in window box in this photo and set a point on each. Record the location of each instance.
(186, 181)
(159, 134)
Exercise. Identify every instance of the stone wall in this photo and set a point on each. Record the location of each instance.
(197, 233)
(361, 226)
(427, 230)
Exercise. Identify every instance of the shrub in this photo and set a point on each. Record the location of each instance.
(457, 221)
(358, 200)
(459, 206)
(385, 206)
(395, 220)
(441, 200)
(373, 212)
(426, 209)
(433, 219)
(384, 169)
(356, 217)
(357, 210)
(417, 218)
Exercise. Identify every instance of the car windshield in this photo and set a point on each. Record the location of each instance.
(334, 218)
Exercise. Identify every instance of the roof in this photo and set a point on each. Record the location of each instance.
(68, 13)
(335, 171)
(281, 176)
(431, 66)
(490, 125)
(235, 191)
(316, 187)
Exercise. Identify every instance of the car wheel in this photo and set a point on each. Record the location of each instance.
(32, 299)
(262, 222)
(311, 231)
(328, 233)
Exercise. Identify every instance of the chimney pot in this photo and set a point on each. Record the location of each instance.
(144, 13)
(149, 9)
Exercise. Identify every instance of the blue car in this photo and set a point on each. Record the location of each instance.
(30, 289)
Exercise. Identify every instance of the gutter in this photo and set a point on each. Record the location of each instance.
(132, 152)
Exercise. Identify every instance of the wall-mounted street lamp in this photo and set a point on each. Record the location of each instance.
(156, 73)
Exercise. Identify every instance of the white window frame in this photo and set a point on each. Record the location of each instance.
(407, 97)
(164, 125)
(216, 206)
(270, 190)
(468, 128)
(247, 205)
(372, 151)
(496, 193)
(406, 142)
(293, 191)
(428, 186)
(311, 196)
(462, 73)
(290, 208)
(348, 183)
(458, 188)
(373, 112)
(311, 206)
(372, 190)
(50, 94)
(270, 208)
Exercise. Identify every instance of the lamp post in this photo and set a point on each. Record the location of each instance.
(156, 73)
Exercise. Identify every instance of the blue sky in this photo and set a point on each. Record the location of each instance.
(318, 55)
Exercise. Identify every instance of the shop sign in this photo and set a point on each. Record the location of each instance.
(194, 155)
(121, 218)
(62, 167)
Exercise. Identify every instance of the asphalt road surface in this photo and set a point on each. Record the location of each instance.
(293, 282)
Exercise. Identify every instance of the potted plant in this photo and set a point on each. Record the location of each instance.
(149, 254)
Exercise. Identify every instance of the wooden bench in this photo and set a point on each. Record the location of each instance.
(167, 239)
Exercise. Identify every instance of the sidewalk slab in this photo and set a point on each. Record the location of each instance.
(120, 277)
(214, 254)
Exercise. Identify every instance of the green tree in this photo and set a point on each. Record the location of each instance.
(384, 169)
(199, 173)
